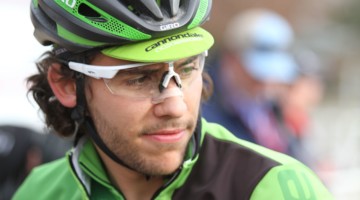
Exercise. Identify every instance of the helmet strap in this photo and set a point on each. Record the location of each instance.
(78, 113)
(79, 116)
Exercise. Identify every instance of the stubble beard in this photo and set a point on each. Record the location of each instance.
(130, 154)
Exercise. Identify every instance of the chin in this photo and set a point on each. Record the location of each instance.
(166, 166)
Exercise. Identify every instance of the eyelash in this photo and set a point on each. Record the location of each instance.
(136, 81)
(187, 67)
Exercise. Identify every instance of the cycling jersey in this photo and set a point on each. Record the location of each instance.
(218, 165)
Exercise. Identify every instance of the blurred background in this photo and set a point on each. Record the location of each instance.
(330, 28)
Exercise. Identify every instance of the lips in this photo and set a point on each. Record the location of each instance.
(166, 136)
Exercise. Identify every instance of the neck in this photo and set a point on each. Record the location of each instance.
(132, 184)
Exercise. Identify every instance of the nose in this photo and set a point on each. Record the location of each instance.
(172, 106)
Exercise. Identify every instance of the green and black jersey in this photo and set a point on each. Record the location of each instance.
(218, 166)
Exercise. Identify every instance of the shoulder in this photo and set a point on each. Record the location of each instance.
(290, 181)
(57, 169)
(48, 181)
(219, 137)
(268, 174)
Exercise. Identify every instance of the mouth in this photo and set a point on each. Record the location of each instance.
(166, 136)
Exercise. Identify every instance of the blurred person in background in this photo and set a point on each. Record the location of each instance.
(254, 71)
(22, 149)
(301, 99)
(304, 94)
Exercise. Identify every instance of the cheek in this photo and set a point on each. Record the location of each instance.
(114, 109)
(193, 95)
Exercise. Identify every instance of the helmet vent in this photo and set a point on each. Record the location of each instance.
(147, 7)
(172, 6)
(105, 22)
(90, 13)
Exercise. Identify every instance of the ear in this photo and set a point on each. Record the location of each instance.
(64, 89)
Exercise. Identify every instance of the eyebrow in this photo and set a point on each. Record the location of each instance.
(188, 60)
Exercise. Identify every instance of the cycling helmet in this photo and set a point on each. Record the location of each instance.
(80, 25)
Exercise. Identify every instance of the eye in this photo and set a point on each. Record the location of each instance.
(134, 78)
(187, 69)
(139, 81)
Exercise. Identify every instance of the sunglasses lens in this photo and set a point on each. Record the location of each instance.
(143, 82)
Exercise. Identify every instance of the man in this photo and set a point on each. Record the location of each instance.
(253, 73)
(135, 110)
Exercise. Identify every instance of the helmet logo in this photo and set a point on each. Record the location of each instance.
(70, 3)
(169, 26)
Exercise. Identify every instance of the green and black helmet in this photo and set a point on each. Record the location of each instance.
(79, 25)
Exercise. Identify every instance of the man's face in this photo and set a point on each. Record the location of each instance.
(151, 138)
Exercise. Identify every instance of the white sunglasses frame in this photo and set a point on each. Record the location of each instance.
(98, 72)
(106, 72)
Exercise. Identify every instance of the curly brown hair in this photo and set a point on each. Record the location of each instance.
(57, 116)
